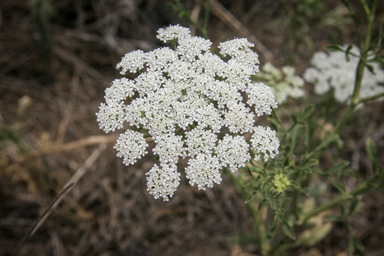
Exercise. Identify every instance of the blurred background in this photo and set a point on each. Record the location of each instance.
(56, 59)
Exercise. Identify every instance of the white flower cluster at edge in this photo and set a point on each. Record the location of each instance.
(284, 83)
(333, 71)
(184, 99)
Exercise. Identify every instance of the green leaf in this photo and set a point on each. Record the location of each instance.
(338, 186)
(261, 204)
(294, 118)
(276, 117)
(356, 20)
(372, 182)
(303, 159)
(286, 228)
(346, 3)
(308, 41)
(288, 162)
(351, 247)
(338, 167)
(322, 173)
(252, 155)
(249, 185)
(347, 53)
(381, 33)
(342, 210)
(333, 48)
(339, 142)
(307, 112)
(295, 136)
(372, 153)
(353, 206)
(332, 218)
(272, 229)
(287, 149)
(251, 197)
(305, 191)
(295, 184)
(311, 162)
(377, 59)
(356, 174)
(307, 137)
(373, 51)
(274, 122)
(370, 68)
(358, 246)
(302, 123)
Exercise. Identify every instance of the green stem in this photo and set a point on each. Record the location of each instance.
(279, 248)
(370, 18)
(276, 116)
(374, 97)
(323, 145)
(362, 188)
(259, 223)
(359, 78)
(365, 6)
(344, 119)
(295, 203)
(355, 100)
(364, 51)
(197, 26)
(325, 206)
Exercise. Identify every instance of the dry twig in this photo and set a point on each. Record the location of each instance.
(237, 26)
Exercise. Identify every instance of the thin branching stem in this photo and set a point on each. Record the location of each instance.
(374, 97)
(355, 100)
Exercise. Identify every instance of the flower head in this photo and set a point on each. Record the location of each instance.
(203, 170)
(131, 146)
(280, 182)
(265, 143)
(283, 83)
(184, 99)
(163, 182)
(173, 32)
(333, 71)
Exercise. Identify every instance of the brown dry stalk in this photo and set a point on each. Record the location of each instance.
(70, 184)
(232, 22)
(90, 141)
(43, 217)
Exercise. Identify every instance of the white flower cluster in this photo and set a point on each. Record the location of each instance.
(184, 99)
(284, 83)
(333, 71)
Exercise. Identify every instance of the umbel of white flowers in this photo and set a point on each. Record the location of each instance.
(284, 83)
(185, 99)
(333, 71)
